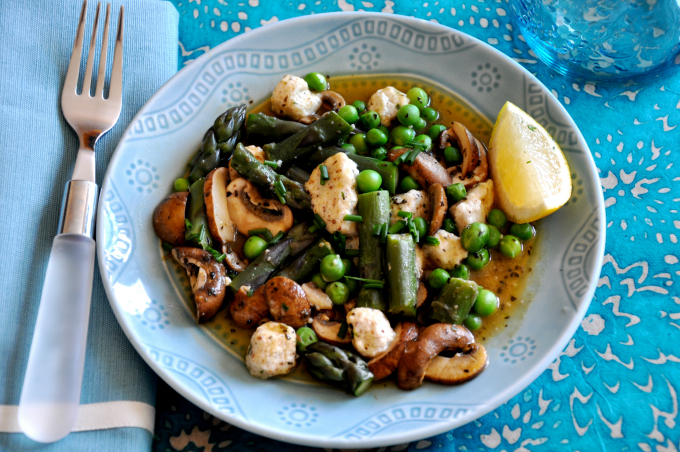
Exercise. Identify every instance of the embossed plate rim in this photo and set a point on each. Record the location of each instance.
(301, 437)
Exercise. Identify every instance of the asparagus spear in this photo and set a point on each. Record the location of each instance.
(307, 262)
(298, 174)
(264, 176)
(400, 257)
(454, 301)
(374, 208)
(387, 170)
(267, 129)
(198, 233)
(327, 130)
(340, 367)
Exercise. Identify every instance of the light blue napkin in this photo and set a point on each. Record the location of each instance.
(37, 154)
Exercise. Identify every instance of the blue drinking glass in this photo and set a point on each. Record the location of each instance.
(602, 40)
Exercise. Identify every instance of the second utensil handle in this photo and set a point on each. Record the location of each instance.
(51, 392)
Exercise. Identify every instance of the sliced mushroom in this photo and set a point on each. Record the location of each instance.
(468, 147)
(309, 119)
(317, 297)
(439, 205)
(426, 170)
(328, 330)
(287, 302)
(351, 304)
(208, 280)
(222, 228)
(387, 362)
(479, 174)
(459, 368)
(421, 296)
(168, 218)
(431, 341)
(250, 210)
(232, 259)
(249, 309)
(332, 100)
(475, 167)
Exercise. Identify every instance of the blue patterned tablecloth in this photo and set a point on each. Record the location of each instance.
(615, 387)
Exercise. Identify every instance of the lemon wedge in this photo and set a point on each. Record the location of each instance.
(529, 171)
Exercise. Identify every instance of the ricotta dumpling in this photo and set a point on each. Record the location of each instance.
(293, 99)
(416, 202)
(387, 102)
(338, 196)
(371, 331)
(271, 351)
(475, 207)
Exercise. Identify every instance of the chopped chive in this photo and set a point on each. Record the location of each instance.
(340, 241)
(342, 332)
(313, 228)
(401, 158)
(429, 240)
(324, 174)
(376, 229)
(187, 223)
(373, 286)
(343, 194)
(403, 214)
(365, 280)
(397, 227)
(167, 246)
(272, 163)
(410, 160)
(414, 231)
(351, 252)
(383, 232)
(318, 221)
(353, 218)
(261, 231)
(277, 238)
(532, 128)
(250, 293)
(219, 257)
(280, 190)
(416, 144)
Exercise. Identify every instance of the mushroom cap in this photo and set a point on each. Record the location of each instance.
(387, 362)
(287, 302)
(248, 311)
(459, 368)
(317, 297)
(168, 218)
(439, 205)
(249, 210)
(333, 100)
(208, 280)
(327, 330)
(426, 170)
(475, 166)
(222, 228)
(431, 341)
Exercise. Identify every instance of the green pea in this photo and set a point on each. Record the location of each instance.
(338, 293)
(486, 303)
(494, 237)
(523, 232)
(456, 191)
(379, 153)
(350, 147)
(409, 183)
(359, 105)
(348, 265)
(449, 225)
(420, 124)
(497, 218)
(332, 268)
(349, 113)
(408, 114)
(253, 247)
(305, 337)
(370, 120)
(319, 281)
(421, 226)
(474, 237)
(478, 260)
(434, 131)
(385, 130)
(418, 97)
(376, 137)
(429, 114)
(352, 285)
(358, 140)
(401, 135)
(316, 81)
(368, 181)
(461, 271)
(473, 322)
(510, 246)
(181, 184)
(452, 156)
(426, 140)
(438, 278)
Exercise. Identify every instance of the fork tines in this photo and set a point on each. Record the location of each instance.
(71, 81)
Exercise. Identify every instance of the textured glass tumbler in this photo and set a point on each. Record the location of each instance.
(602, 40)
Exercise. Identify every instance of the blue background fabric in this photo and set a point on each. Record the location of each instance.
(37, 155)
(615, 387)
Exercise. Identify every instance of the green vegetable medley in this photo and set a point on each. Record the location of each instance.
(347, 231)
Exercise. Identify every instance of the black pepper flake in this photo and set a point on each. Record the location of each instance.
(513, 298)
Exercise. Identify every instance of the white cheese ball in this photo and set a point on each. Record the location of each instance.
(475, 207)
(371, 331)
(387, 102)
(415, 201)
(293, 98)
(447, 254)
(338, 196)
(271, 351)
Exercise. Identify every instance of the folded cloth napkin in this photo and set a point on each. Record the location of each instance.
(37, 154)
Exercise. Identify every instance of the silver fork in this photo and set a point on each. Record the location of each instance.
(50, 396)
